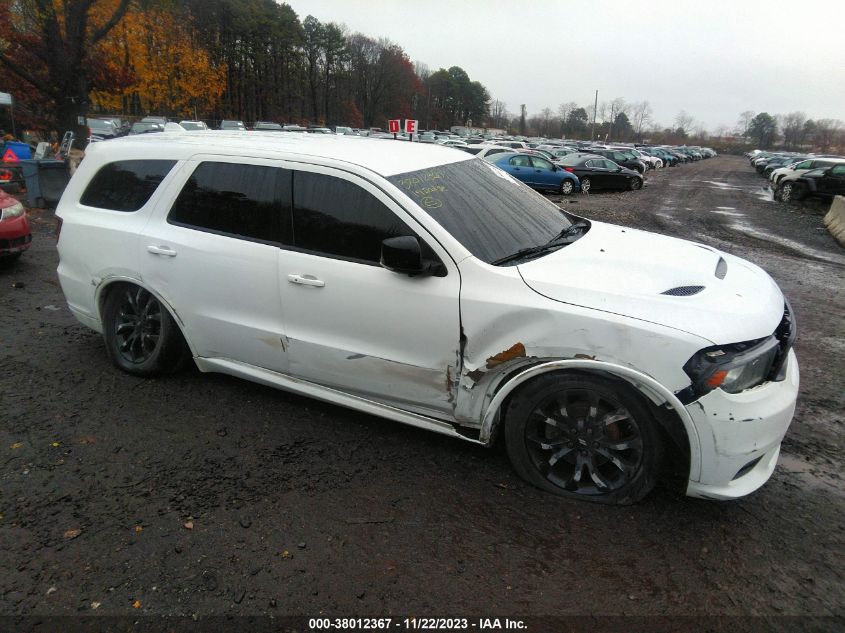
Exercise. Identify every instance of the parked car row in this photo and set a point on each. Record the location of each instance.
(794, 177)
(549, 165)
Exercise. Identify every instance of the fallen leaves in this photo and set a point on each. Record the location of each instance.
(189, 525)
(286, 554)
(73, 533)
(136, 604)
(139, 528)
(16, 446)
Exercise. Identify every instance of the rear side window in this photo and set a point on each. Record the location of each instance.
(246, 201)
(125, 185)
(335, 217)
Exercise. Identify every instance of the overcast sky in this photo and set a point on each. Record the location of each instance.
(712, 58)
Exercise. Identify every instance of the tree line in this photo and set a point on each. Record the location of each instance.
(216, 59)
(793, 131)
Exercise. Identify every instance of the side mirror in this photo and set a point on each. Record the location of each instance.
(404, 255)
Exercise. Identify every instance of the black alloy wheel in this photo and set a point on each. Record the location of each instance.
(584, 437)
(137, 327)
(141, 336)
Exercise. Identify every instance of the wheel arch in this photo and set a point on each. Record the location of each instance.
(669, 412)
(110, 284)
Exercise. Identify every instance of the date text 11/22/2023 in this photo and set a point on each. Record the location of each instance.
(416, 624)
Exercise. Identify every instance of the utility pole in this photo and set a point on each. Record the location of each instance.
(595, 110)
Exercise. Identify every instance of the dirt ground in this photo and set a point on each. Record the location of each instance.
(201, 494)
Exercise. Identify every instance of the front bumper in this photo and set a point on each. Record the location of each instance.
(740, 435)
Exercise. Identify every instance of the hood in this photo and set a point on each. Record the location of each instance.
(662, 280)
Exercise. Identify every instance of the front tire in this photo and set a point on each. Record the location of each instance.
(583, 437)
(140, 335)
(635, 184)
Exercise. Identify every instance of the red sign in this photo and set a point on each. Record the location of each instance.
(411, 126)
(10, 156)
(393, 126)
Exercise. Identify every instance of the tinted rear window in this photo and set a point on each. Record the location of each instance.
(125, 185)
(247, 201)
(489, 212)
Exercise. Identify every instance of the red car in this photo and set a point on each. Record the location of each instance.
(15, 234)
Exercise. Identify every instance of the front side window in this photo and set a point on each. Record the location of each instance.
(335, 217)
(125, 185)
(541, 163)
(246, 201)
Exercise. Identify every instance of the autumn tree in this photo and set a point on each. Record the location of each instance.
(52, 44)
(171, 73)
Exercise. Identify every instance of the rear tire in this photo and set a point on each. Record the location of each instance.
(566, 187)
(140, 335)
(583, 437)
(791, 192)
(586, 184)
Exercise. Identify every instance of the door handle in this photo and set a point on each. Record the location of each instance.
(306, 280)
(166, 251)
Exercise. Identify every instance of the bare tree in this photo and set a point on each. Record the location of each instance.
(641, 116)
(744, 122)
(792, 125)
(545, 118)
(499, 113)
(827, 132)
(684, 121)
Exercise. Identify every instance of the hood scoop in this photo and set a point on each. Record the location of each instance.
(683, 291)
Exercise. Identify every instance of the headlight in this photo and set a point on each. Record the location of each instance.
(732, 368)
(15, 211)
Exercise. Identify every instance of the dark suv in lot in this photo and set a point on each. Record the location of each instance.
(818, 183)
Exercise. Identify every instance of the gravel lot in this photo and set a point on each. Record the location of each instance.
(208, 495)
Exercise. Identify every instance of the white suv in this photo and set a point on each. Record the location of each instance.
(423, 285)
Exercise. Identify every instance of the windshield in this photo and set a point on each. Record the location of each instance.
(489, 212)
